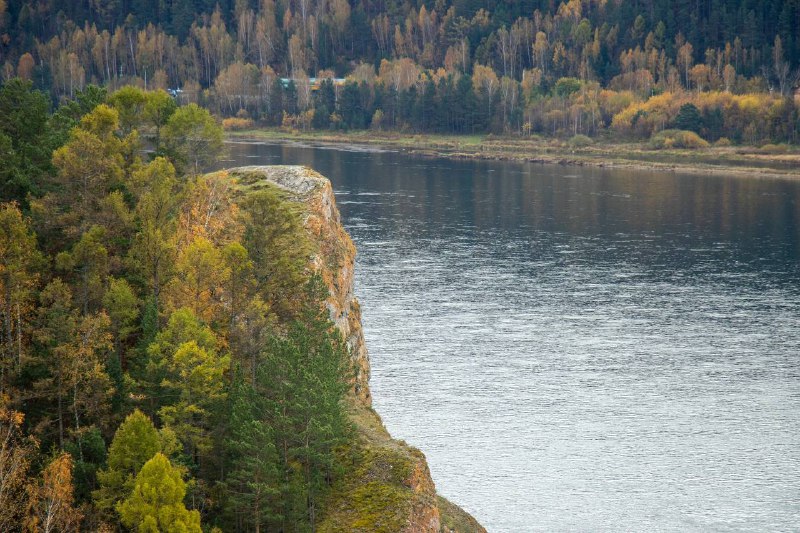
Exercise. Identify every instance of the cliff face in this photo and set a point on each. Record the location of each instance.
(389, 487)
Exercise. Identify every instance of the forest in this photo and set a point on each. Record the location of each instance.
(722, 70)
(166, 359)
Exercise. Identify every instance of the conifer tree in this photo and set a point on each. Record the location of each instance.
(25, 143)
(152, 253)
(155, 366)
(303, 381)
(277, 245)
(122, 306)
(253, 479)
(156, 502)
(134, 443)
(194, 387)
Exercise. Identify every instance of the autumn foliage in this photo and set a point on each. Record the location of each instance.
(139, 297)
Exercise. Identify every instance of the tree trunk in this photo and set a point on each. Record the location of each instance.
(60, 414)
(77, 419)
(9, 338)
(19, 337)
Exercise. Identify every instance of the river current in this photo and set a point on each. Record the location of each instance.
(580, 349)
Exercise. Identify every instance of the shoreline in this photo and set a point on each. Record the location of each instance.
(731, 161)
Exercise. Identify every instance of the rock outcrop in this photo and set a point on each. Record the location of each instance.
(389, 487)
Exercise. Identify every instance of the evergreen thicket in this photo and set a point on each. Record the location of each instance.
(166, 359)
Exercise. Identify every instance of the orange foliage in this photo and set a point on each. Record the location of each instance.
(51, 501)
(235, 123)
(210, 212)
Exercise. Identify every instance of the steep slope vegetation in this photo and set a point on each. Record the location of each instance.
(387, 486)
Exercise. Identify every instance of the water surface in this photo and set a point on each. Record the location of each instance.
(580, 349)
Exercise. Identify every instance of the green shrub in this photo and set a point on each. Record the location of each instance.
(664, 140)
(580, 141)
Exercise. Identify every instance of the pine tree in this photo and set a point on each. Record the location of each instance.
(303, 380)
(25, 143)
(194, 387)
(253, 479)
(89, 165)
(153, 250)
(278, 246)
(154, 367)
(122, 307)
(689, 118)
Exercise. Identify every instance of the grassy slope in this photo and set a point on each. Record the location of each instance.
(725, 160)
(381, 487)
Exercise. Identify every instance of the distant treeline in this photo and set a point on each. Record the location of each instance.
(522, 67)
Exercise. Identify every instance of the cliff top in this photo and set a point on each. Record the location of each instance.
(299, 180)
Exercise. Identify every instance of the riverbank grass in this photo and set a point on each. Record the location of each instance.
(721, 158)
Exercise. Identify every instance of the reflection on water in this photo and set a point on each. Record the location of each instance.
(581, 349)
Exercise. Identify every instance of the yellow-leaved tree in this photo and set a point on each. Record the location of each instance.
(156, 503)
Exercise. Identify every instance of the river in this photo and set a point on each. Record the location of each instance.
(580, 349)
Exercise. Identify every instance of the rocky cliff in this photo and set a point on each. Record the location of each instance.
(388, 488)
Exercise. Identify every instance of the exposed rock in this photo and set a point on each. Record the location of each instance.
(388, 488)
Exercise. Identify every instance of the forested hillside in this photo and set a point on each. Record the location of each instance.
(535, 66)
(166, 357)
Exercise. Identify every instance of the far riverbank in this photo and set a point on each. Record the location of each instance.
(728, 160)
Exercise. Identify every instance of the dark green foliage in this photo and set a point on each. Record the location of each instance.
(278, 247)
(286, 428)
(326, 96)
(714, 124)
(253, 481)
(88, 452)
(69, 114)
(322, 119)
(566, 86)
(25, 142)
(351, 108)
(689, 119)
